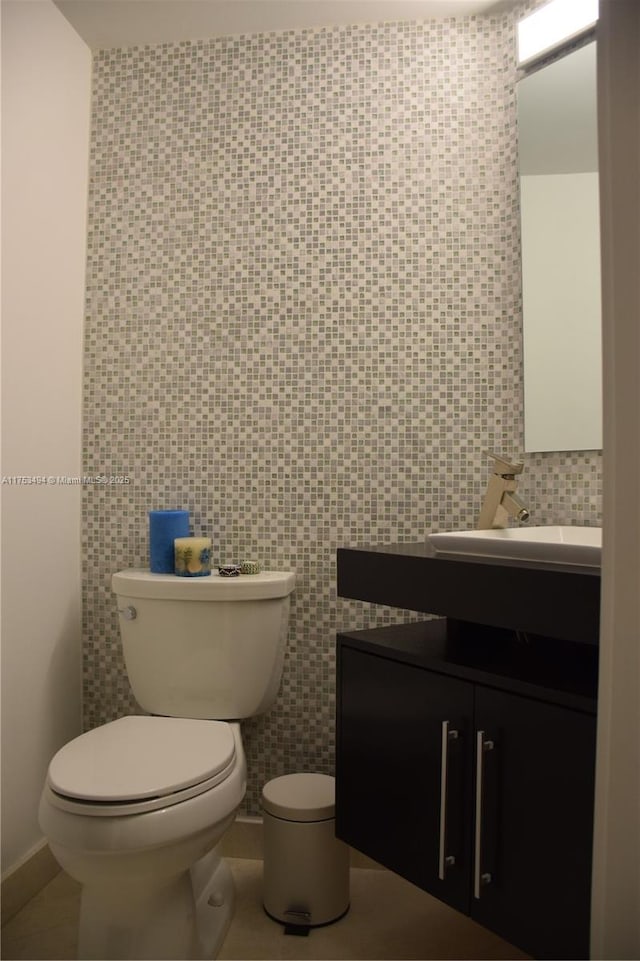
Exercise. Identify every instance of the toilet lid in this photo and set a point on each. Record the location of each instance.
(135, 758)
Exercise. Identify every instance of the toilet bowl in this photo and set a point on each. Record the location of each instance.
(134, 810)
(134, 834)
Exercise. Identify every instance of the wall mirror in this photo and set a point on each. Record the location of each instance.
(559, 207)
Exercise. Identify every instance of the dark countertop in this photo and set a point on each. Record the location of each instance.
(551, 599)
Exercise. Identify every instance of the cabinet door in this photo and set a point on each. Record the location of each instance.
(391, 801)
(534, 812)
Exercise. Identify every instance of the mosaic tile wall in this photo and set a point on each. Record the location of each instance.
(303, 322)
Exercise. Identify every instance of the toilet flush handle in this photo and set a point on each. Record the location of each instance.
(129, 613)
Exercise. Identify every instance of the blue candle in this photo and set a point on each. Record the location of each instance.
(164, 527)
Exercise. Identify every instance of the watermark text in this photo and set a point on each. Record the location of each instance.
(65, 480)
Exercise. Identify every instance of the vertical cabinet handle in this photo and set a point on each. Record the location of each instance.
(444, 861)
(479, 877)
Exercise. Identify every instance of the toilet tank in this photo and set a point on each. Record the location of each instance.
(204, 647)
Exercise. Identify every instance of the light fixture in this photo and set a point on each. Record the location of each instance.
(552, 25)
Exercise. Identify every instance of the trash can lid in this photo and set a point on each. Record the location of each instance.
(300, 797)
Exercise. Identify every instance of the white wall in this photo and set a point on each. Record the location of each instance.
(615, 906)
(46, 78)
(561, 302)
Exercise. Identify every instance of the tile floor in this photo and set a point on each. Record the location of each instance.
(388, 919)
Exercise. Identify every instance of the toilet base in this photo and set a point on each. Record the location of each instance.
(185, 918)
(214, 893)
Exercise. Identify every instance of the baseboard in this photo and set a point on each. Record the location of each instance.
(28, 877)
(244, 840)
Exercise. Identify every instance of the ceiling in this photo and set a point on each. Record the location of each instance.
(125, 23)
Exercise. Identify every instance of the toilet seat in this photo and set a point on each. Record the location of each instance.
(139, 763)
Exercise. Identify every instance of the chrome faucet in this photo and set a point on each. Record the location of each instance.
(501, 500)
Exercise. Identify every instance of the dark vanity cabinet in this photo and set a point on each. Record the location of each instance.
(465, 762)
(534, 817)
(480, 796)
(389, 765)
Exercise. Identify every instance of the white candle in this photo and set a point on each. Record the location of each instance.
(192, 556)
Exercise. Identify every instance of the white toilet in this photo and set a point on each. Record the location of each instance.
(134, 809)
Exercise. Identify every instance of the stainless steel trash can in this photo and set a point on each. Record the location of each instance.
(306, 868)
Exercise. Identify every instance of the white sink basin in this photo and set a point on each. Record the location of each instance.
(546, 545)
